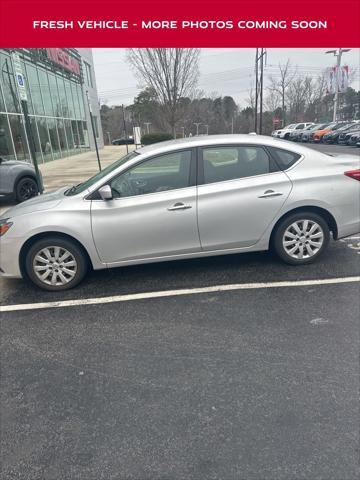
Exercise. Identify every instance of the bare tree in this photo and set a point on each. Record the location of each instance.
(299, 95)
(172, 72)
(280, 85)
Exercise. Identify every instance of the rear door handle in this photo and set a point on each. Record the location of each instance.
(270, 193)
(179, 206)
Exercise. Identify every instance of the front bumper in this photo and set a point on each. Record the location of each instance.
(9, 256)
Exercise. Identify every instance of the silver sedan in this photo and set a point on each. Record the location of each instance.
(188, 198)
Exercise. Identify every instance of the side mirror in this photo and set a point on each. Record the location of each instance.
(105, 192)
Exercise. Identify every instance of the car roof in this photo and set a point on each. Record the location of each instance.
(214, 140)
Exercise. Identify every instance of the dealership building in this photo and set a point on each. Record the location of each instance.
(61, 91)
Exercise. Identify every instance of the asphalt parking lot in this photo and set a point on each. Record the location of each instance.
(255, 382)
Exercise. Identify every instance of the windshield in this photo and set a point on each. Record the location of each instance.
(113, 166)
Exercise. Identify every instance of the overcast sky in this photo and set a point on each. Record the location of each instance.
(225, 71)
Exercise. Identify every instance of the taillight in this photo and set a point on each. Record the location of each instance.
(355, 174)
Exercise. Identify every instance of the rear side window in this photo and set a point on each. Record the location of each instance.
(284, 158)
(229, 163)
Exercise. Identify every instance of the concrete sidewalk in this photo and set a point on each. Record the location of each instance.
(75, 169)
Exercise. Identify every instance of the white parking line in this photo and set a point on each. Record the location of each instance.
(175, 293)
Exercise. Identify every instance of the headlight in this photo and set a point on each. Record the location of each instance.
(4, 226)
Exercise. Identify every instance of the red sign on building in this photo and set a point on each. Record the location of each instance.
(59, 56)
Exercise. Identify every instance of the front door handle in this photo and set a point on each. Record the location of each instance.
(179, 206)
(270, 193)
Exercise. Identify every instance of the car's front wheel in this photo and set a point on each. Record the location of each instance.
(301, 238)
(26, 188)
(56, 263)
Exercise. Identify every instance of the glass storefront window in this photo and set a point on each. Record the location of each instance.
(6, 146)
(76, 100)
(8, 84)
(64, 111)
(54, 139)
(19, 137)
(83, 135)
(36, 140)
(70, 103)
(57, 108)
(69, 136)
(75, 133)
(62, 136)
(81, 102)
(45, 91)
(35, 90)
(54, 95)
(44, 138)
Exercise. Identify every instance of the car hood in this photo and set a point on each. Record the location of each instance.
(46, 201)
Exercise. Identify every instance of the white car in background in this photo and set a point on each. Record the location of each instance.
(286, 131)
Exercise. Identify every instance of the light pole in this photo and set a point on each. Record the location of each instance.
(207, 129)
(93, 129)
(338, 54)
(183, 131)
(197, 128)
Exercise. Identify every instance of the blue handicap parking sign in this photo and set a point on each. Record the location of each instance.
(20, 80)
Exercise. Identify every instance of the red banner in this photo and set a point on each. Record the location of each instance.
(174, 23)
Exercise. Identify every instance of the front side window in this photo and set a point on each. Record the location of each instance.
(229, 163)
(159, 174)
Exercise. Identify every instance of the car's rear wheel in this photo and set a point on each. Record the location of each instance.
(26, 188)
(56, 263)
(301, 238)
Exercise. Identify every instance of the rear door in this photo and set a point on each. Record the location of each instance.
(241, 190)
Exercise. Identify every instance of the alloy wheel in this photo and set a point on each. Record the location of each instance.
(303, 239)
(55, 265)
(28, 189)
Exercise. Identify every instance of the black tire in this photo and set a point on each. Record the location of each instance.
(277, 240)
(286, 136)
(64, 244)
(26, 188)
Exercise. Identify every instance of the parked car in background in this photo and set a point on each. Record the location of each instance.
(296, 134)
(183, 199)
(17, 180)
(306, 135)
(123, 141)
(354, 138)
(345, 137)
(318, 135)
(332, 137)
(286, 131)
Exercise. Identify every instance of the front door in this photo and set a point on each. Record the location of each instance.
(241, 192)
(152, 213)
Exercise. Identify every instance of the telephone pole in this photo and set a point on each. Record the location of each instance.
(338, 54)
(259, 87)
